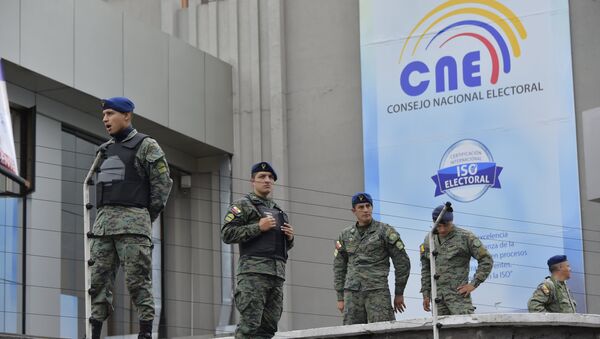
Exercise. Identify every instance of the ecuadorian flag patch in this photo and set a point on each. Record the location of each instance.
(338, 245)
(235, 210)
(545, 289)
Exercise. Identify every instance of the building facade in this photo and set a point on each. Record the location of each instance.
(221, 84)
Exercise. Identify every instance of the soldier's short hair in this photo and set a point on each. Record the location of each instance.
(556, 267)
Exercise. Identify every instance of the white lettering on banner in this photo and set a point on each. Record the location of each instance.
(462, 181)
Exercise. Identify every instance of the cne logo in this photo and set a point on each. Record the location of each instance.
(467, 170)
(488, 22)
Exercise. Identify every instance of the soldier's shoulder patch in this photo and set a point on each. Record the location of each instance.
(153, 151)
(422, 249)
(393, 236)
(400, 245)
(338, 245)
(229, 217)
(235, 210)
(161, 167)
(477, 242)
(545, 289)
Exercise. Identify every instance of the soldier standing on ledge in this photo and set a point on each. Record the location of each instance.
(455, 247)
(133, 186)
(264, 236)
(553, 295)
(361, 266)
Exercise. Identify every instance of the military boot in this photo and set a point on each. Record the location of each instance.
(96, 328)
(145, 329)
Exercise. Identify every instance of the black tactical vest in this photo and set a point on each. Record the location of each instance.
(272, 243)
(119, 183)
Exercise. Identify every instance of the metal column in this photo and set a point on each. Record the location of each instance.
(434, 276)
(87, 234)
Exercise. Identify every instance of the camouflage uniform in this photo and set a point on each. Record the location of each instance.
(361, 267)
(123, 236)
(452, 264)
(259, 290)
(552, 296)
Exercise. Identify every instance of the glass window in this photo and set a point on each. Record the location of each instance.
(10, 264)
(77, 156)
(11, 227)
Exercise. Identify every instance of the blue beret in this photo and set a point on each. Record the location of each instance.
(360, 198)
(264, 166)
(448, 216)
(119, 104)
(557, 259)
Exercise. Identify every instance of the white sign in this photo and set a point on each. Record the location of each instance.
(8, 158)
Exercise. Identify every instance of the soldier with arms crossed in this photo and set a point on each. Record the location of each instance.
(264, 235)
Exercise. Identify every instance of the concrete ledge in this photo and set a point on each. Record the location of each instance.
(20, 336)
(488, 326)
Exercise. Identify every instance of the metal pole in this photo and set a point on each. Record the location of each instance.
(14, 177)
(87, 234)
(434, 276)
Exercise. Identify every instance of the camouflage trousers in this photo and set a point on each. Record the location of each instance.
(134, 253)
(367, 306)
(454, 303)
(259, 299)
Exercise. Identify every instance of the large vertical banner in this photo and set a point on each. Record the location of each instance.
(471, 101)
(8, 158)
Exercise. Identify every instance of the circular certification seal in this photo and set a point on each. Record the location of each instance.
(467, 170)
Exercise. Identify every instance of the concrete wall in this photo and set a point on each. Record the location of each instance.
(323, 128)
(295, 87)
(45, 218)
(189, 251)
(483, 326)
(64, 55)
(324, 145)
(191, 246)
(42, 263)
(145, 11)
(94, 47)
(591, 158)
(297, 104)
(585, 40)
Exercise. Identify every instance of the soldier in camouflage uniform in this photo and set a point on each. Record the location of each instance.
(361, 266)
(455, 247)
(264, 235)
(553, 295)
(132, 188)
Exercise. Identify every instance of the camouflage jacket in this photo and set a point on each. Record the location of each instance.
(241, 225)
(552, 296)
(150, 162)
(452, 262)
(362, 262)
